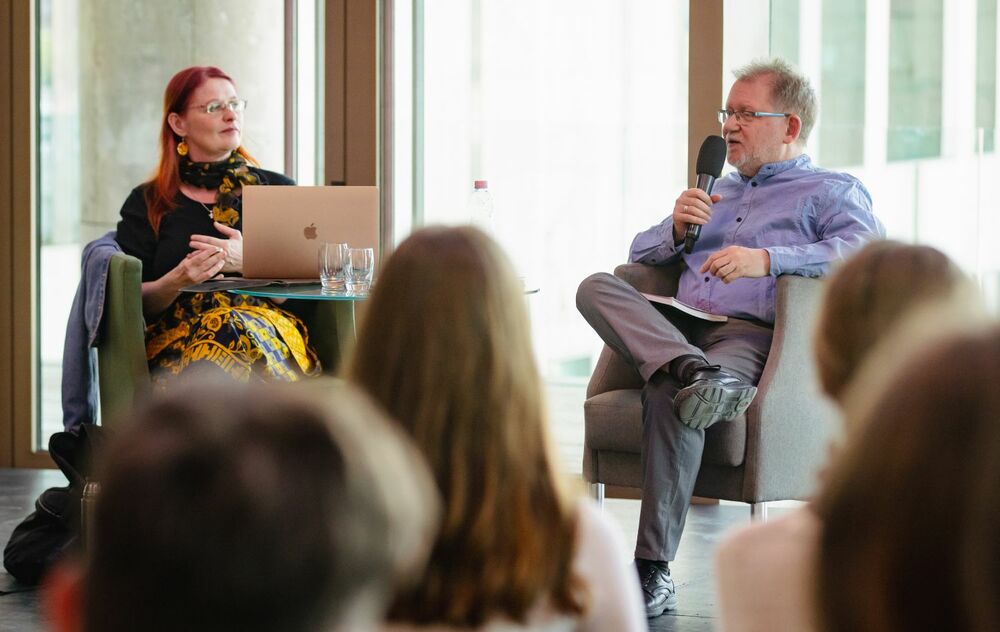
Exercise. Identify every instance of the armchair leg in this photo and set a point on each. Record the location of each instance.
(758, 512)
(597, 489)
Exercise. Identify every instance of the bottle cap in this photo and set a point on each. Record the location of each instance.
(480, 184)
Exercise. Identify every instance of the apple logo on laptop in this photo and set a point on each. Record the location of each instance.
(310, 231)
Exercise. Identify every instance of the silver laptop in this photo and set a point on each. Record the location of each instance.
(283, 227)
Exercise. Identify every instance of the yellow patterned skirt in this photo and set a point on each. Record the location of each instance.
(245, 337)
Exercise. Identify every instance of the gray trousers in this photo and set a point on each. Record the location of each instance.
(648, 337)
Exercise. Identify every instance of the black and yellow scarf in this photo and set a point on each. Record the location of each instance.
(227, 176)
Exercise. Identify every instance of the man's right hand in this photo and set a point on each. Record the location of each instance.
(694, 206)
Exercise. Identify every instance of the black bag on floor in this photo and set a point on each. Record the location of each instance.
(54, 527)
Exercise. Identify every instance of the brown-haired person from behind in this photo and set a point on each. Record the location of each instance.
(228, 507)
(184, 225)
(765, 571)
(912, 510)
(446, 349)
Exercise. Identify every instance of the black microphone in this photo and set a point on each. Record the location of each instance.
(711, 157)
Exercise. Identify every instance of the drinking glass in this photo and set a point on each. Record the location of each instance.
(333, 263)
(360, 270)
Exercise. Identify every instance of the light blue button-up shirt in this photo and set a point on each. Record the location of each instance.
(804, 216)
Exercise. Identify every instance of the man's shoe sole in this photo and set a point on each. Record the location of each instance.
(701, 405)
(669, 604)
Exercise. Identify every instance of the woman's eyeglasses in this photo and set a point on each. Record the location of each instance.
(214, 107)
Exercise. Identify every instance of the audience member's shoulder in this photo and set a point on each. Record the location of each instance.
(272, 177)
(764, 573)
(598, 542)
(594, 523)
(765, 540)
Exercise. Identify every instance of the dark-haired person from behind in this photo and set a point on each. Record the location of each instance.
(184, 225)
(778, 214)
(227, 507)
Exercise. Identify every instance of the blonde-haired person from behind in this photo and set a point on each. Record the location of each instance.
(765, 571)
(446, 349)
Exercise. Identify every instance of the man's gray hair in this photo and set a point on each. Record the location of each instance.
(790, 89)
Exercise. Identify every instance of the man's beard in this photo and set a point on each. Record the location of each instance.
(746, 161)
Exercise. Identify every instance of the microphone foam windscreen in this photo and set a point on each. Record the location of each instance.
(711, 156)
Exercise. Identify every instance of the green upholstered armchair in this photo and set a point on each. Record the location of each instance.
(123, 373)
(771, 453)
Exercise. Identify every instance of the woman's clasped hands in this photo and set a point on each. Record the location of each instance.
(198, 266)
(231, 247)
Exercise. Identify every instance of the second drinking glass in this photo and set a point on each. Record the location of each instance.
(360, 270)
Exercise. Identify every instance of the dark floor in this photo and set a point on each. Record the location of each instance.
(692, 569)
(18, 490)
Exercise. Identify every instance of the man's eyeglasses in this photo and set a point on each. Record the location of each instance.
(214, 107)
(745, 116)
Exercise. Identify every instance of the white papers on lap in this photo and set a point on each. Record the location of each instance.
(684, 307)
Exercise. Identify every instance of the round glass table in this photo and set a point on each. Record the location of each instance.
(337, 312)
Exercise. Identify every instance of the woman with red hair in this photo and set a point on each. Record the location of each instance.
(184, 225)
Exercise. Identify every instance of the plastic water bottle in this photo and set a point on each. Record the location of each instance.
(480, 207)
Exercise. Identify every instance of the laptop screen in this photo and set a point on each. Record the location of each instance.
(283, 227)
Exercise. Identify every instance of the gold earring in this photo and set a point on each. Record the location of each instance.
(182, 148)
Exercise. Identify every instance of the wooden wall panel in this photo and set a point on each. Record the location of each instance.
(361, 92)
(334, 72)
(705, 73)
(351, 92)
(7, 297)
(23, 177)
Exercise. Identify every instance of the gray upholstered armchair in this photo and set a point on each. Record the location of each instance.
(769, 454)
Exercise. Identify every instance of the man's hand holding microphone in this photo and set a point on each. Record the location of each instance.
(693, 207)
(693, 210)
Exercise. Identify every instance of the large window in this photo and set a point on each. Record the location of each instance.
(986, 71)
(908, 104)
(842, 83)
(837, 61)
(916, 54)
(576, 114)
(102, 66)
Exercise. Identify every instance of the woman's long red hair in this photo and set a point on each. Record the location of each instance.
(161, 195)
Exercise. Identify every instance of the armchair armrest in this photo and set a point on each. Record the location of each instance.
(662, 280)
(121, 348)
(790, 420)
(611, 372)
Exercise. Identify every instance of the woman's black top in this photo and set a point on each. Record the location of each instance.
(160, 255)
